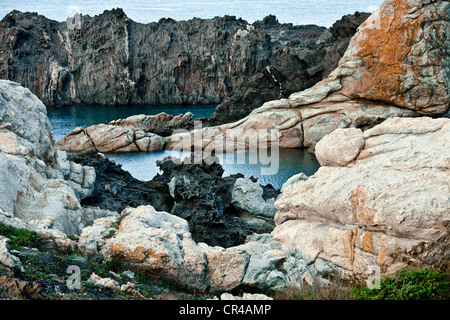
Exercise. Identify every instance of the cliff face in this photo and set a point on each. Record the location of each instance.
(40, 186)
(381, 198)
(113, 60)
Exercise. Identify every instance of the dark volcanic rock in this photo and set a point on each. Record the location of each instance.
(202, 197)
(193, 191)
(113, 60)
(115, 189)
(293, 69)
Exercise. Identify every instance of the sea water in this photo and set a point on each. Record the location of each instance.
(143, 165)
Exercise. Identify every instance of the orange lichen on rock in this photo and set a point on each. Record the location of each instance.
(367, 243)
(137, 255)
(349, 244)
(357, 202)
(391, 46)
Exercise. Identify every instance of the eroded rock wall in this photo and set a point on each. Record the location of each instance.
(112, 60)
(386, 204)
(396, 65)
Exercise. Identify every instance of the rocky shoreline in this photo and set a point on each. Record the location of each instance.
(371, 83)
(221, 211)
(223, 61)
(380, 201)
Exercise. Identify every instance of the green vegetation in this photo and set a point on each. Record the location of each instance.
(18, 237)
(409, 284)
(406, 284)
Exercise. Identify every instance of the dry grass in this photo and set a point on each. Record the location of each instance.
(328, 288)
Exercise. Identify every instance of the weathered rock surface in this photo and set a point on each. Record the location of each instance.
(396, 65)
(380, 199)
(161, 124)
(329, 153)
(247, 197)
(388, 206)
(193, 191)
(159, 244)
(295, 178)
(218, 214)
(245, 296)
(115, 189)
(139, 133)
(6, 258)
(39, 185)
(113, 60)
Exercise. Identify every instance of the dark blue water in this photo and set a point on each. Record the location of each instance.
(65, 119)
(271, 168)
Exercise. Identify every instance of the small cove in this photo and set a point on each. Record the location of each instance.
(143, 166)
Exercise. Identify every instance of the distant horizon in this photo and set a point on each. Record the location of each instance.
(305, 12)
(168, 18)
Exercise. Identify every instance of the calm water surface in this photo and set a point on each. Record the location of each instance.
(65, 119)
(143, 165)
(288, 163)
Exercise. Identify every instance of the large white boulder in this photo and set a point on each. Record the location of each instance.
(39, 185)
(389, 207)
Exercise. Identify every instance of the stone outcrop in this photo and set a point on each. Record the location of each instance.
(159, 244)
(247, 197)
(386, 204)
(112, 60)
(161, 124)
(115, 189)
(292, 70)
(396, 65)
(220, 210)
(380, 199)
(6, 258)
(40, 187)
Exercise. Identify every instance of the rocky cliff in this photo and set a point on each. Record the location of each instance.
(397, 64)
(381, 200)
(42, 192)
(40, 186)
(113, 60)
